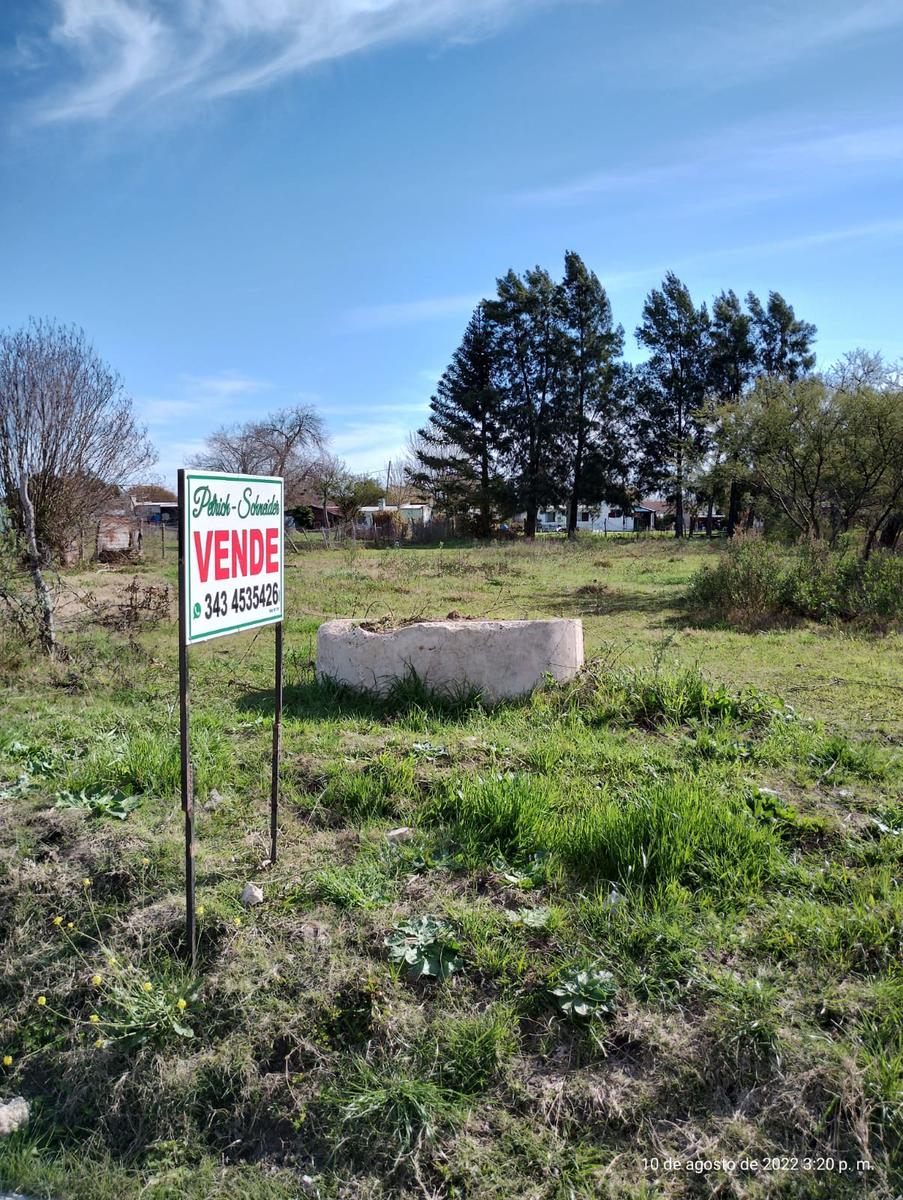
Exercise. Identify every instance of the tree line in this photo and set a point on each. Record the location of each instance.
(538, 408)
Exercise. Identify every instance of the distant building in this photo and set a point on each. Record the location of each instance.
(110, 530)
(599, 518)
(157, 512)
(320, 515)
(416, 513)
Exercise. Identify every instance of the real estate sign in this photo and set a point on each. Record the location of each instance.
(233, 531)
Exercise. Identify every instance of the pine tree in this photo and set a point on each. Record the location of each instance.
(525, 315)
(783, 342)
(672, 389)
(732, 363)
(463, 438)
(589, 400)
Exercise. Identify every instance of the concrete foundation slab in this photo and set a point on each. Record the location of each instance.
(500, 659)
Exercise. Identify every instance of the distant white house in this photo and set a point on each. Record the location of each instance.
(415, 514)
(600, 518)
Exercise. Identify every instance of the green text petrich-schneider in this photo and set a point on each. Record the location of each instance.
(234, 543)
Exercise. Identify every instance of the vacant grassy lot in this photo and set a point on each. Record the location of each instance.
(653, 915)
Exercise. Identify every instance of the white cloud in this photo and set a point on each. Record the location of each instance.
(368, 443)
(730, 44)
(173, 455)
(161, 412)
(122, 47)
(409, 312)
(128, 53)
(774, 161)
(225, 385)
(889, 230)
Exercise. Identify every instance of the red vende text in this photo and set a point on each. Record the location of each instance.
(236, 553)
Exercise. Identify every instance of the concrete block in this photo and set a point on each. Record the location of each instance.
(500, 659)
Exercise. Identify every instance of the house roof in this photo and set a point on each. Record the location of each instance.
(306, 500)
(653, 504)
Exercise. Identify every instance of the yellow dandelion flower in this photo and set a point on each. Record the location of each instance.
(70, 924)
(148, 986)
(200, 910)
(99, 1044)
(237, 921)
(97, 980)
(42, 1000)
(7, 1060)
(181, 1004)
(57, 920)
(86, 882)
(94, 1019)
(145, 862)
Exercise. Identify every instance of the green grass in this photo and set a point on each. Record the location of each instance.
(709, 816)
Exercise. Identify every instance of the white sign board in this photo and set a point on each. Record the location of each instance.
(234, 540)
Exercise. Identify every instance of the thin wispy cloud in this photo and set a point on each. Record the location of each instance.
(224, 385)
(199, 398)
(890, 231)
(731, 44)
(130, 54)
(368, 446)
(774, 161)
(155, 412)
(408, 312)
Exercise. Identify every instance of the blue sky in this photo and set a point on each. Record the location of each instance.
(250, 202)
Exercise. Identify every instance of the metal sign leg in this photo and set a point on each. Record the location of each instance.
(186, 778)
(277, 745)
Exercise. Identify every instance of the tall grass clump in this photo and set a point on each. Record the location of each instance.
(377, 790)
(755, 581)
(653, 698)
(678, 831)
(386, 1110)
(466, 1054)
(674, 832)
(146, 761)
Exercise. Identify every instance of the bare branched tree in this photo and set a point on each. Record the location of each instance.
(399, 488)
(68, 436)
(327, 476)
(284, 443)
(433, 470)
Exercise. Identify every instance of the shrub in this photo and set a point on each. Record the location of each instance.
(826, 585)
(746, 582)
(754, 581)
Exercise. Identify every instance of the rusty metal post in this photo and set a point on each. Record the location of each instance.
(187, 781)
(277, 745)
